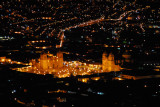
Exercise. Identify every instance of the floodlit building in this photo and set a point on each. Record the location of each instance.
(50, 64)
(108, 63)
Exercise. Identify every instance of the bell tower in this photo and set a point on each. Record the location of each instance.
(104, 61)
(60, 59)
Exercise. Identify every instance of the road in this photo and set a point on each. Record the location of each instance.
(89, 23)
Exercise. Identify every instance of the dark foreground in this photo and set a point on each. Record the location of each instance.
(30, 90)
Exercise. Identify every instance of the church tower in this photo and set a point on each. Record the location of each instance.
(43, 62)
(104, 61)
(111, 63)
(60, 59)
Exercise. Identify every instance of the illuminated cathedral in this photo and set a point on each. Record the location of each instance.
(108, 63)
